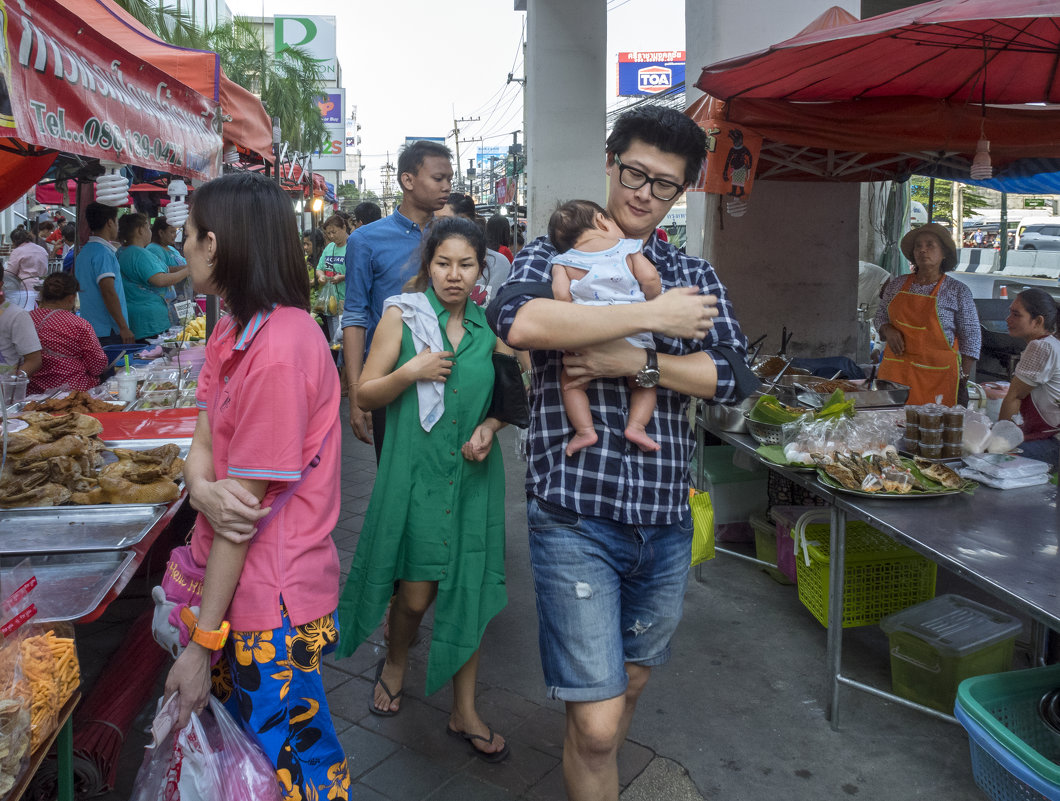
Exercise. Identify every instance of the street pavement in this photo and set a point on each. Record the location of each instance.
(737, 715)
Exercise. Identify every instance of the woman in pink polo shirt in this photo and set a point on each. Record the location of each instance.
(263, 473)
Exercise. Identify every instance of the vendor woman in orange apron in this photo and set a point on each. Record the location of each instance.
(929, 322)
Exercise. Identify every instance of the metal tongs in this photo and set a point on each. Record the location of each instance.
(756, 346)
(769, 389)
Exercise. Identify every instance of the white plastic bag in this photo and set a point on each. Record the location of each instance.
(210, 759)
(178, 765)
(1004, 465)
(1003, 483)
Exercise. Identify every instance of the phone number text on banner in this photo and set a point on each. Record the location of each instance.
(73, 90)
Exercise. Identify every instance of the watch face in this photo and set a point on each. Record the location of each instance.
(648, 377)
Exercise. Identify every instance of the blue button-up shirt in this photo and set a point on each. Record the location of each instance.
(380, 258)
(614, 479)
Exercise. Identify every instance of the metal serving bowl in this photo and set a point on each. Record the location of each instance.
(763, 433)
(731, 418)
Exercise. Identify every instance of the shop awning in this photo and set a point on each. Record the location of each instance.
(893, 95)
(246, 123)
(71, 89)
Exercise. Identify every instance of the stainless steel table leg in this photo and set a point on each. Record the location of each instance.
(64, 746)
(836, 570)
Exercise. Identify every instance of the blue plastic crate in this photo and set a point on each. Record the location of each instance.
(998, 772)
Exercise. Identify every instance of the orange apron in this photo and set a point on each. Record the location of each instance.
(929, 366)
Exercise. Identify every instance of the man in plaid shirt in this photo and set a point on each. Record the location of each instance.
(610, 528)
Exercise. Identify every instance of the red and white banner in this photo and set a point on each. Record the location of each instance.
(73, 90)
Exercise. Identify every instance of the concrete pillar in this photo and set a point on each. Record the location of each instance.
(792, 260)
(565, 105)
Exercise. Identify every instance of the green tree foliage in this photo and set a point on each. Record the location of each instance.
(167, 23)
(289, 85)
(971, 197)
(350, 196)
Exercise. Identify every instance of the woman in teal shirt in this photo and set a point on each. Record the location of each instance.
(163, 247)
(144, 277)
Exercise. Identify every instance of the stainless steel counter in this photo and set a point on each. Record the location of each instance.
(1004, 541)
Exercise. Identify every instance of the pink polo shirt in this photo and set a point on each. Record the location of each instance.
(271, 394)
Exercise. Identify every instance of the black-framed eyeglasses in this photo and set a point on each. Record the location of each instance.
(632, 178)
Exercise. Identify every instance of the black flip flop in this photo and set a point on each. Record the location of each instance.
(383, 713)
(496, 756)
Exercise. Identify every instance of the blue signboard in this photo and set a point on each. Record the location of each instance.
(637, 76)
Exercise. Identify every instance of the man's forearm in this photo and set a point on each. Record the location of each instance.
(693, 374)
(113, 305)
(543, 324)
(353, 354)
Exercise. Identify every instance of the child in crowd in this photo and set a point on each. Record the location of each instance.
(595, 266)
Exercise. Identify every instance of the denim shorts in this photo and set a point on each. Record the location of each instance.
(608, 593)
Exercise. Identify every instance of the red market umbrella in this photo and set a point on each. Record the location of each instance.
(962, 51)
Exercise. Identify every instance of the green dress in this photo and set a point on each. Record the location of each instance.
(435, 516)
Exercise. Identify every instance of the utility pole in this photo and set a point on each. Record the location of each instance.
(456, 139)
(387, 171)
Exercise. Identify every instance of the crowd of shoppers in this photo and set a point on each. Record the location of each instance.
(428, 297)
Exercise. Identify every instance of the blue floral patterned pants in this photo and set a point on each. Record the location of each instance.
(271, 682)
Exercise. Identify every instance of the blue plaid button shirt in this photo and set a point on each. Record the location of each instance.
(613, 479)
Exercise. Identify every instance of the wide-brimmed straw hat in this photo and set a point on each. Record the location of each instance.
(949, 261)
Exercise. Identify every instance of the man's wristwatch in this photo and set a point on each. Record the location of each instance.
(648, 376)
(210, 640)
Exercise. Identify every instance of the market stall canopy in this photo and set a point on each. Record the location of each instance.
(964, 51)
(886, 97)
(71, 89)
(21, 166)
(246, 123)
(886, 138)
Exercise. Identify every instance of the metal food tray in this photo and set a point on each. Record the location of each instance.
(76, 529)
(129, 444)
(887, 393)
(71, 585)
(139, 404)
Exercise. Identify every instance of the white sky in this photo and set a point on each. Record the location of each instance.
(407, 64)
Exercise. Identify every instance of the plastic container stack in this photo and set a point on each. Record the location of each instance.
(934, 431)
(937, 644)
(1015, 754)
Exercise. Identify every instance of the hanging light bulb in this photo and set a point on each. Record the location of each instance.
(231, 155)
(736, 206)
(177, 210)
(981, 168)
(112, 188)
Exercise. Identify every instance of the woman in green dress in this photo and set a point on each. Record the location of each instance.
(435, 522)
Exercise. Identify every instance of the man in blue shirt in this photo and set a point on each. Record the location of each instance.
(102, 295)
(69, 235)
(381, 257)
(610, 529)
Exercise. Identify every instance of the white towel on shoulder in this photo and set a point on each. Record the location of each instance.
(418, 314)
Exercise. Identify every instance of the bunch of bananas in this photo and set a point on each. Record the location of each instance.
(194, 330)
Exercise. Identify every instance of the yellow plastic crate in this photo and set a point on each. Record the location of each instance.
(880, 577)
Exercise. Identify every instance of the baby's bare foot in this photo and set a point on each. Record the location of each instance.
(581, 439)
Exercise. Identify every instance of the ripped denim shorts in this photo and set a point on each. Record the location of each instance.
(607, 593)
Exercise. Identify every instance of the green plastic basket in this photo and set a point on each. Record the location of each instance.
(1006, 706)
(881, 577)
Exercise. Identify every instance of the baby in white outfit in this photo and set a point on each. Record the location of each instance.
(595, 266)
